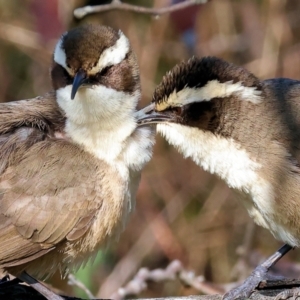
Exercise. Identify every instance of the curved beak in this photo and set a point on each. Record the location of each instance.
(148, 115)
(79, 79)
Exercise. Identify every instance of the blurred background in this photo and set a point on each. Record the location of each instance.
(181, 212)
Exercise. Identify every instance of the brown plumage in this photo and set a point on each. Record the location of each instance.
(244, 130)
(69, 168)
(264, 122)
(30, 204)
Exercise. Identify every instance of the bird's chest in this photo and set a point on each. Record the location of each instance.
(116, 203)
(103, 144)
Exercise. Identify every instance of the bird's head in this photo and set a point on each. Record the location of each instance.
(95, 63)
(192, 92)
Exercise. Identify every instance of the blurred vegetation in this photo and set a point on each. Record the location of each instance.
(182, 212)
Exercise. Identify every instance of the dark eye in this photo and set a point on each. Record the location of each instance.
(177, 110)
(67, 76)
(104, 71)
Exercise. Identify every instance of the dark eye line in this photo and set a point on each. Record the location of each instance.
(104, 71)
(67, 76)
(175, 109)
(97, 77)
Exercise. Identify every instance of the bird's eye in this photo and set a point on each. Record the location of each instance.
(178, 110)
(104, 71)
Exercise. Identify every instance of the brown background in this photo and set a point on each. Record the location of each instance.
(182, 212)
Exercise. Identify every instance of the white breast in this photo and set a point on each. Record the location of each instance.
(102, 121)
(227, 159)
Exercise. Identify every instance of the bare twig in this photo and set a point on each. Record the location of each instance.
(198, 283)
(118, 5)
(241, 268)
(27, 41)
(73, 281)
(266, 290)
(173, 270)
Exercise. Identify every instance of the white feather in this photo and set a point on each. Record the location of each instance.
(213, 89)
(102, 120)
(110, 56)
(113, 55)
(60, 55)
(226, 158)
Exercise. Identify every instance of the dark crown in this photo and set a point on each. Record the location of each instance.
(197, 72)
(83, 45)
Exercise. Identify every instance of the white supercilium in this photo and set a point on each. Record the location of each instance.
(213, 89)
(112, 55)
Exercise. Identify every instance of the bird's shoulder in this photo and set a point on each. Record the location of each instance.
(42, 113)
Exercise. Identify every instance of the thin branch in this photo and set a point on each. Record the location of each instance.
(118, 5)
(173, 271)
(266, 290)
(73, 281)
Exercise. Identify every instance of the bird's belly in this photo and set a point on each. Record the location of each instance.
(268, 220)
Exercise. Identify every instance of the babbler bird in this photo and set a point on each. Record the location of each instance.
(70, 161)
(246, 131)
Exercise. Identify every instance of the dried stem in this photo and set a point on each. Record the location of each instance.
(118, 5)
(73, 281)
(173, 270)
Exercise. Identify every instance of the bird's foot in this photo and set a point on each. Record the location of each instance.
(4, 279)
(249, 285)
(7, 282)
(259, 274)
(293, 293)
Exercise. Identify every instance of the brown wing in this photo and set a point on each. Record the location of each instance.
(48, 189)
(48, 194)
(285, 96)
(42, 113)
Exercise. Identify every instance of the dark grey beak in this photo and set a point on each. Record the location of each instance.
(79, 79)
(148, 115)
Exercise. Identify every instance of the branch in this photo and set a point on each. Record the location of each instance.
(73, 281)
(175, 270)
(267, 291)
(118, 5)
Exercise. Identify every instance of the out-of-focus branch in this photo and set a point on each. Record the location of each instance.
(26, 40)
(73, 281)
(173, 270)
(118, 5)
(267, 291)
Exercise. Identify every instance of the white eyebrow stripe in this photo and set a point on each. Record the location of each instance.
(112, 55)
(213, 89)
(60, 54)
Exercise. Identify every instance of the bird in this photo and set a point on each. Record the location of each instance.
(71, 160)
(244, 130)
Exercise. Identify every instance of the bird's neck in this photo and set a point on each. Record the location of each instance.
(215, 154)
(101, 120)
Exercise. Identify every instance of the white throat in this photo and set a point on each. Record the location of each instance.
(100, 119)
(213, 153)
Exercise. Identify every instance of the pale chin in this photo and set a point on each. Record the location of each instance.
(95, 103)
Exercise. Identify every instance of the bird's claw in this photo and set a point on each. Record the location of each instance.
(292, 293)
